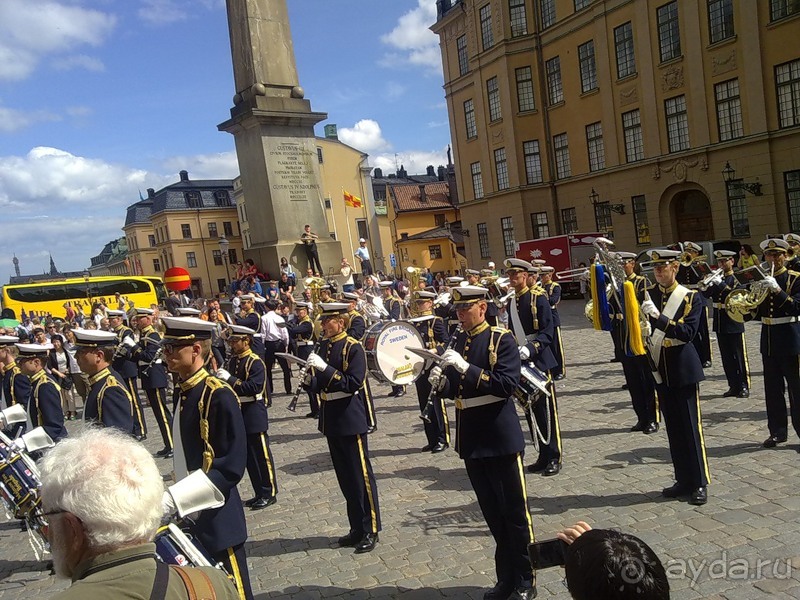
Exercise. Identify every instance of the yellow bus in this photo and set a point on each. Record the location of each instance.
(50, 297)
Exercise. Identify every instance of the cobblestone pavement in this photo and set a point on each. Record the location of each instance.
(744, 543)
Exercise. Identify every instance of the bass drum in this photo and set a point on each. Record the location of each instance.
(387, 358)
(174, 547)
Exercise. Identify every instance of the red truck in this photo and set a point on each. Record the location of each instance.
(563, 252)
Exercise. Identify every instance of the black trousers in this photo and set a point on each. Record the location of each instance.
(313, 258)
(733, 350)
(369, 403)
(681, 408)
(158, 402)
(438, 430)
(235, 563)
(781, 372)
(304, 352)
(617, 335)
(270, 348)
(499, 484)
(702, 340)
(350, 456)
(261, 465)
(139, 423)
(641, 387)
(558, 352)
(552, 450)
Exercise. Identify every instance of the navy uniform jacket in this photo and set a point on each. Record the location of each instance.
(109, 402)
(16, 390)
(358, 326)
(491, 429)
(342, 410)
(123, 365)
(679, 364)
(223, 527)
(782, 339)
(718, 293)
(44, 407)
(249, 381)
(433, 332)
(253, 321)
(393, 306)
(553, 292)
(539, 333)
(144, 353)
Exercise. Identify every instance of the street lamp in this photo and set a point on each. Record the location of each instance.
(224, 244)
(617, 208)
(729, 175)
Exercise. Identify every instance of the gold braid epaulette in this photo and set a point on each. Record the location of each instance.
(212, 384)
(537, 290)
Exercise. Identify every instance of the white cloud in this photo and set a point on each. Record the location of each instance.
(222, 165)
(365, 136)
(162, 12)
(413, 42)
(59, 27)
(79, 61)
(394, 90)
(14, 120)
(413, 161)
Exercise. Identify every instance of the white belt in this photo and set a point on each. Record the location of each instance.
(671, 343)
(719, 305)
(464, 403)
(778, 320)
(144, 363)
(305, 343)
(250, 398)
(335, 395)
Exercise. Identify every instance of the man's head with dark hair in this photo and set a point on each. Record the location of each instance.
(603, 564)
(271, 304)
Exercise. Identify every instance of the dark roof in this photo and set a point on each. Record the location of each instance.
(437, 233)
(139, 212)
(44, 277)
(406, 198)
(175, 197)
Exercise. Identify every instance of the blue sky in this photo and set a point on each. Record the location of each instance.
(102, 98)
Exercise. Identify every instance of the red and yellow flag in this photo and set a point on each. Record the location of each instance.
(351, 200)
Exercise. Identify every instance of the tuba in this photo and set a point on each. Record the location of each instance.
(743, 302)
(415, 276)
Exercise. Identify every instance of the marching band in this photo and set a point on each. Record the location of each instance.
(453, 346)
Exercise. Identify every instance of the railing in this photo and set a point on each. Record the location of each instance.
(445, 6)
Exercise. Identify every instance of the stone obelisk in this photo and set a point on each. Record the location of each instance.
(273, 128)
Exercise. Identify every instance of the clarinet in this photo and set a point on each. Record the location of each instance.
(303, 372)
(156, 357)
(433, 397)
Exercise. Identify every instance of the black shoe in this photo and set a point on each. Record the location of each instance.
(537, 467)
(552, 468)
(699, 496)
(639, 426)
(391, 394)
(615, 360)
(650, 428)
(707, 364)
(351, 539)
(523, 593)
(163, 452)
(263, 503)
(440, 447)
(773, 441)
(675, 491)
(624, 386)
(141, 438)
(427, 448)
(372, 429)
(367, 543)
(169, 454)
(730, 393)
(499, 592)
(743, 393)
(251, 501)
(559, 377)
(400, 392)
(312, 415)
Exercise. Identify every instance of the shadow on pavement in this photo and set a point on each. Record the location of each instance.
(543, 505)
(280, 546)
(313, 592)
(582, 433)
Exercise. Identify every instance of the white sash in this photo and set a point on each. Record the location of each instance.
(657, 338)
(178, 457)
(516, 323)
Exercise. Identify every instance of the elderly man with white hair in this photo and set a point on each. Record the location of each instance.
(102, 498)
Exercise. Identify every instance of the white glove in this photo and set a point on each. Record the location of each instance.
(524, 353)
(649, 308)
(19, 444)
(772, 284)
(315, 361)
(223, 374)
(435, 377)
(168, 503)
(451, 358)
(129, 342)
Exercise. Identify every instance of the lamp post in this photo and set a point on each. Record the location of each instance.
(617, 208)
(224, 244)
(729, 175)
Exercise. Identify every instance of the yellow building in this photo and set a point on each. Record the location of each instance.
(189, 224)
(420, 219)
(620, 116)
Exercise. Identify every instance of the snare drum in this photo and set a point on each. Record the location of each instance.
(532, 385)
(387, 358)
(19, 480)
(174, 547)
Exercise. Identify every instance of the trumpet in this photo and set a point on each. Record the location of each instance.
(712, 278)
(686, 259)
(570, 273)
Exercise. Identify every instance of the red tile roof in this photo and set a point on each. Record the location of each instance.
(406, 198)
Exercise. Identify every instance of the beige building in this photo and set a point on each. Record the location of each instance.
(189, 224)
(621, 116)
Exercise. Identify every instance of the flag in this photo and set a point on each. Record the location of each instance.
(352, 201)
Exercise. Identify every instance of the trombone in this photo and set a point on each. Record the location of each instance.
(577, 272)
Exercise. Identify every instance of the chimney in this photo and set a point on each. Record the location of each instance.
(422, 196)
(441, 173)
(430, 172)
(377, 173)
(151, 193)
(402, 173)
(330, 132)
(184, 175)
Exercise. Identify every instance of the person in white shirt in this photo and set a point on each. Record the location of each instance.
(362, 254)
(276, 339)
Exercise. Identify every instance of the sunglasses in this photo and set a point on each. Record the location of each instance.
(170, 348)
